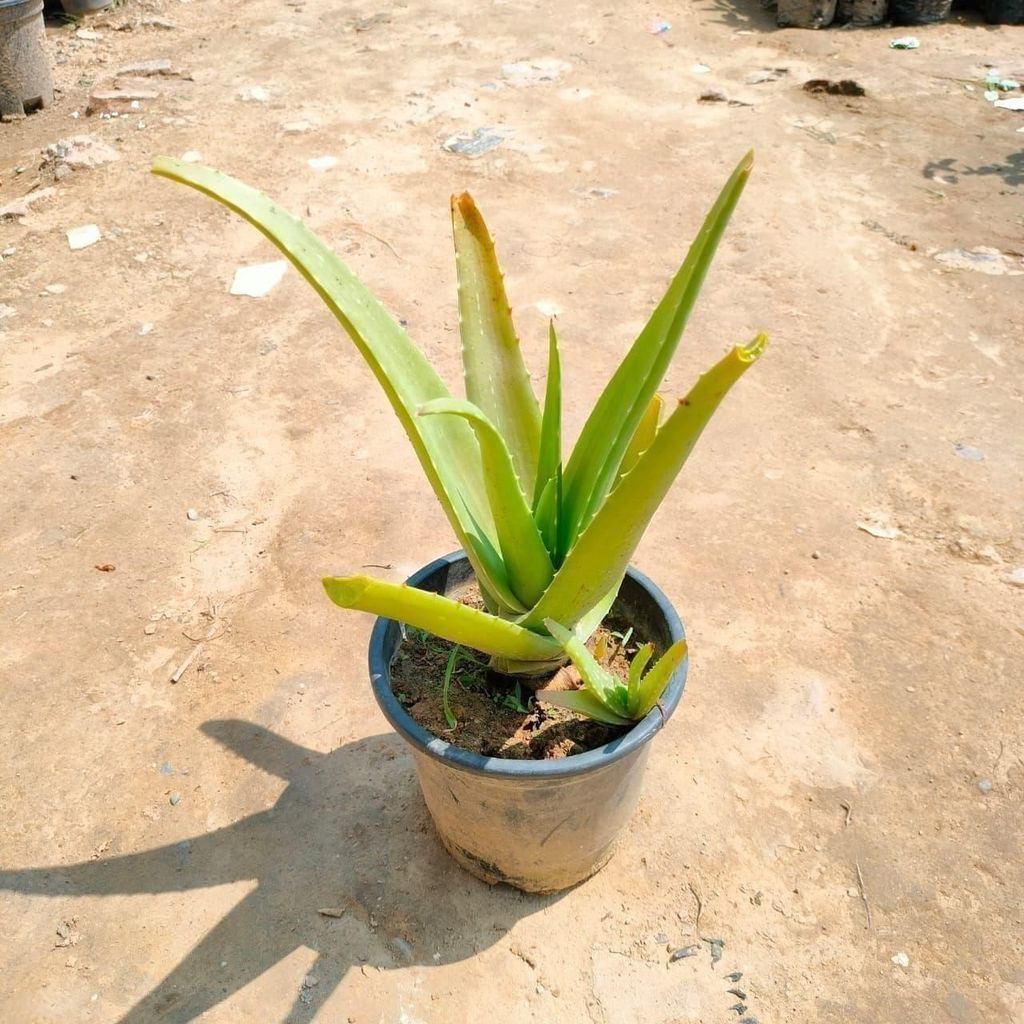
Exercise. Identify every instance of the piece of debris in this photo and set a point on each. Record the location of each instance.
(843, 87)
(596, 192)
(192, 515)
(863, 893)
(877, 530)
(766, 75)
(907, 243)
(253, 94)
(1017, 103)
(904, 43)
(683, 953)
(191, 156)
(258, 279)
(150, 629)
(77, 153)
(23, 206)
(183, 667)
(105, 567)
(149, 68)
(332, 911)
(699, 69)
(995, 83)
(737, 992)
(67, 933)
(144, 329)
(969, 452)
(901, 960)
(983, 259)
(117, 100)
(365, 24)
(82, 237)
(175, 799)
(55, 289)
(734, 977)
(310, 981)
(474, 143)
(1015, 578)
(296, 127)
(985, 786)
(716, 946)
(717, 96)
(89, 35)
(322, 163)
(658, 27)
(535, 72)
(739, 1009)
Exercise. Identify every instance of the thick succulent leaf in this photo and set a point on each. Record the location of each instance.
(636, 670)
(594, 464)
(594, 616)
(527, 671)
(545, 515)
(652, 686)
(523, 553)
(604, 685)
(643, 436)
(599, 557)
(441, 616)
(583, 702)
(496, 378)
(446, 447)
(550, 460)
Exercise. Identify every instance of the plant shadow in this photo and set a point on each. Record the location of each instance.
(349, 833)
(1011, 171)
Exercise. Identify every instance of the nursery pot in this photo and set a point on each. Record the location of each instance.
(25, 82)
(541, 826)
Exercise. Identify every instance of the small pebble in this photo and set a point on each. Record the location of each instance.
(310, 981)
(737, 992)
(81, 238)
(683, 953)
(901, 960)
(734, 977)
(144, 329)
(192, 514)
(985, 785)
(815, 554)
(191, 156)
(175, 799)
(738, 1008)
(150, 629)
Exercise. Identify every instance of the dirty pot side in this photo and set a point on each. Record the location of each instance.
(541, 826)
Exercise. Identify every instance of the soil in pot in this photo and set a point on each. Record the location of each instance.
(494, 715)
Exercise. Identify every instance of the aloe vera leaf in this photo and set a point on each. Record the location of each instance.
(636, 669)
(583, 702)
(496, 378)
(599, 557)
(441, 616)
(643, 436)
(550, 459)
(594, 463)
(604, 685)
(545, 515)
(446, 447)
(652, 686)
(525, 558)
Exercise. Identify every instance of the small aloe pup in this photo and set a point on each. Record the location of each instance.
(549, 540)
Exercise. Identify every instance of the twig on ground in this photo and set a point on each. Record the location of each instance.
(863, 893)
(183, 667)
(849, 813)
(700, 908)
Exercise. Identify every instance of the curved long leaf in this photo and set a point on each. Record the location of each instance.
(523, 553)
(594, 463)
(643, 436)
(442, 616)
(583, 702)
(446, 447)
(599, 557)
(549, 462)
(607, 687)
(496, 378)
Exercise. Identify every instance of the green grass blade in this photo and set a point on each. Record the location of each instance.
(594, 464)
(604, 685)
(496, 378)
(550, 459)
(599, 557)
(441, 616)
(446, 447)
(523, 553)
(449, 715)
(583, 702)
(653, 684)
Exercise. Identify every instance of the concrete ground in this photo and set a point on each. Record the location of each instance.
(838, 799)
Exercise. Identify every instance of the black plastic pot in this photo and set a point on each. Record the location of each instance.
(919, 12)
(1004, 12)
(805, 13)
(25, 82)
(541, 826)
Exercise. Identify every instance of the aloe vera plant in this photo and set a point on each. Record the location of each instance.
(549, 540)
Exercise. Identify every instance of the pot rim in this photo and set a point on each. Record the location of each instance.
(575, 764)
